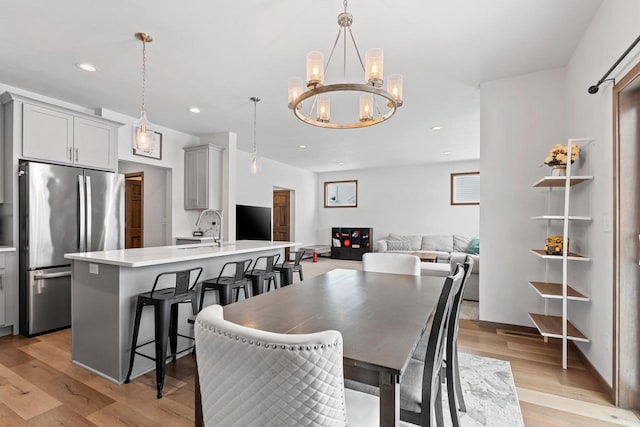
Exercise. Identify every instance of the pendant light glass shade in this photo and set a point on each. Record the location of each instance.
(366, 107)
(315, 68)
(144, 134)
(374, 66)
(394, 87)
(295, 89)
(324, 108)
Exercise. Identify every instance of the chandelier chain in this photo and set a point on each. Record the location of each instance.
(345, 5)
(144, 69)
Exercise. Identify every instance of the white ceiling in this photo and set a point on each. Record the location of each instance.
(217, 54)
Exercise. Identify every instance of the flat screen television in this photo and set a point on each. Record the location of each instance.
(253, 223)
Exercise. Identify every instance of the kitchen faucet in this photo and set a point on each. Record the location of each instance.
(218, 212)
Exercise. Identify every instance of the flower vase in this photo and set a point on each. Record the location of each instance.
(559, 170)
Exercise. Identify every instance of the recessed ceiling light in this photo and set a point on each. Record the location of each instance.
(194, 110)
(446, 153)
(341, 163)
(85, 66)
(302, 146)
(436, 128)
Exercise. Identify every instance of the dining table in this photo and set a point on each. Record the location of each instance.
(381, 317)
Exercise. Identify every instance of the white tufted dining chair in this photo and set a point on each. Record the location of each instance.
(250, 377)
(391, 263)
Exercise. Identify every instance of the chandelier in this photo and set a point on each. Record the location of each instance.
(143, 133)
(375, 103)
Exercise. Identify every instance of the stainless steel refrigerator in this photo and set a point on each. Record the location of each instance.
(63, 209)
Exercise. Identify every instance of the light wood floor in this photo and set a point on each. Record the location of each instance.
(39, 386)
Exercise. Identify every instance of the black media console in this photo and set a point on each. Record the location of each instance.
(350, 242)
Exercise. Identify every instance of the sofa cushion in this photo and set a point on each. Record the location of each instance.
(437, 243)
(398, 245)
(461, 243)
(415, 240)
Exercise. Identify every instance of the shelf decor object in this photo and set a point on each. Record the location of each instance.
(553, 326)
(143, 140)
(376, 104)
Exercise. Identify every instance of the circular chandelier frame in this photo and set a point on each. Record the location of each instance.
(344, 87)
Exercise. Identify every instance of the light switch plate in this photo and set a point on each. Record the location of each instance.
(93, 269)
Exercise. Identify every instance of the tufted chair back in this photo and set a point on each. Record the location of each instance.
(391, 263)
(250, 377)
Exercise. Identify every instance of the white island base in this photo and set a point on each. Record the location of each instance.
(104, 289)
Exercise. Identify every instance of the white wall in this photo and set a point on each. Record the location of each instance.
(257, 190)
(521, 118)
(405, 200)
(612, 30)
(157, 209)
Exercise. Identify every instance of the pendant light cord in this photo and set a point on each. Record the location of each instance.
(144, 69)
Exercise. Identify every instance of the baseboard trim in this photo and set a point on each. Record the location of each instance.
(608, 389)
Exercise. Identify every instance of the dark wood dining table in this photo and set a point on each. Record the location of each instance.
(381, 318)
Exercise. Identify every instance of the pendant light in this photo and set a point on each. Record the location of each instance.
(254, 152)
(143, 132)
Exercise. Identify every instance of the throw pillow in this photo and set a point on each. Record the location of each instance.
(398, 245)
(461, 243)
(415, 240)
(474, 247)
(437, 243)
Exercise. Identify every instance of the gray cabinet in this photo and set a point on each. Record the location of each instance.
(55, 134)
(3, 291)
(203, 177)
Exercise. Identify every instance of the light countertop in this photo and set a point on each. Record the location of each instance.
(142, 257)
(7, 249)
(196, 238)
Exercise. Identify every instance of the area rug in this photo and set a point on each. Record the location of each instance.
(489, 393)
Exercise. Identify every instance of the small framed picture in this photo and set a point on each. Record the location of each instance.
(465, 188)
(156, 152)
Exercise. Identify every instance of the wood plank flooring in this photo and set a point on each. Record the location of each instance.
(39, 386)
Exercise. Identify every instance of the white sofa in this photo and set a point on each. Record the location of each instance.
(449, 250)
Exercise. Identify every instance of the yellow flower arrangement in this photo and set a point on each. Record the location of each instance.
(558, 155)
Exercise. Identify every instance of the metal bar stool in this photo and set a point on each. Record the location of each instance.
(225, 285)
(259, 275)
(165, 305)
(286, 270)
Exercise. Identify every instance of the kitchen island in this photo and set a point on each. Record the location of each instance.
(104, 287)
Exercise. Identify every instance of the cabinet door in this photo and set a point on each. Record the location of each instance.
(47, 134)
(190, 179)
(94, 144)
(202, 179)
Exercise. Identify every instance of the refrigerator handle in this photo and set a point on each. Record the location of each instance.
(88, 213)
(81, 214)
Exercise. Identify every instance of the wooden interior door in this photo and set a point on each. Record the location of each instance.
(626, 281)
(133, 210)
(282, 218)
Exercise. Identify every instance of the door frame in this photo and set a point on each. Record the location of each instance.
(141, 176)
(622, 396)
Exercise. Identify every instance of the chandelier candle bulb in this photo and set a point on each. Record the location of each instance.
(374, 67)
(366, 107)
(315, 68)
(394, 87)
(295, 89)
(324, 108)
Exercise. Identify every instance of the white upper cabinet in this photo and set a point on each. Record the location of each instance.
(203, 177)
(94, 143)
(47, 134)
(58, 135)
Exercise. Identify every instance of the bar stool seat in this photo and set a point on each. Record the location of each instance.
(286, 269)
(259, 275)
(165, 303)
(225, 285)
